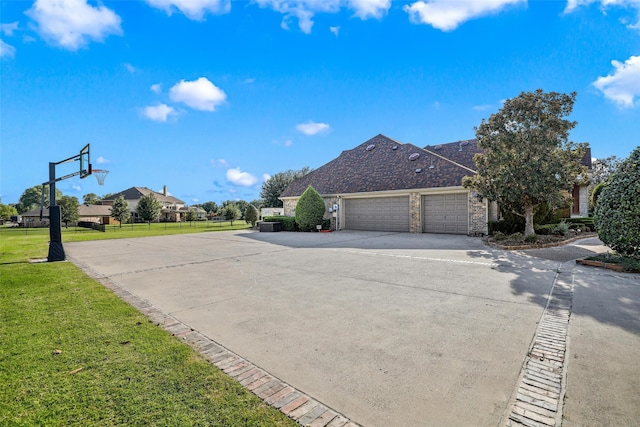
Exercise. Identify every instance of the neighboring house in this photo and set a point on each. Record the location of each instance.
(90, 213)
(385, 185)
(172, 207)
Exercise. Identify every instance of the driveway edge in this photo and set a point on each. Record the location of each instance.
(294, 403)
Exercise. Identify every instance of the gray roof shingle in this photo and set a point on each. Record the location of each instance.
(382, 164)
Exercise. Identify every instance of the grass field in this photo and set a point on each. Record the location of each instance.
(73, 353)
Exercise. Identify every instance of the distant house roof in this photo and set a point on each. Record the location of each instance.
(135, 193)
(83, 211)
(383, 164)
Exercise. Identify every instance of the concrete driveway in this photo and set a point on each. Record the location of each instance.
(390, 329)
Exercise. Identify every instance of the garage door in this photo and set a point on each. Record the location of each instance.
(377, 214)
(445, 213)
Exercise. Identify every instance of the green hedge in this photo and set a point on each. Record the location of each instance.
(288, 222)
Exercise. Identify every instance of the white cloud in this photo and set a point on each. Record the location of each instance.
(237, 177)
(335, 30)
(8, 29)
(604, 4)
(303, 10)
(447, 15)
(199, 94)
(482, 107)
(130, 68)
(193, 9)
(219, 163)
(156, 88)
(370, 8)
(158, 113)
(101, 161)
(71, 23)
(249, 81)
(6, 50)
(312, 128)
(623, 86)
(266, 177)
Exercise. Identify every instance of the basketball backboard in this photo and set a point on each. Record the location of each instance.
(85, 162)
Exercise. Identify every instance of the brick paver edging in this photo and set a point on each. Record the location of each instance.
(540, 393)
(297, 405)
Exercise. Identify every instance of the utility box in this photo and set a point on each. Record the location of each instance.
(270, 226)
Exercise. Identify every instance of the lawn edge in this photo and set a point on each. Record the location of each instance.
(294, 403)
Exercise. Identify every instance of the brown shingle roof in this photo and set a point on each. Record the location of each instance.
(382, 164)
(134, 193)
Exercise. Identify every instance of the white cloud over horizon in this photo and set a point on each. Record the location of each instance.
(156, 88)
(312, 128)
(623, 85)
(192, 9)
(71, 24)
(199, 94)
(365, 9)
(6, 50)
(448, 15)
(237, 177)
(158, 113)
(572, 5)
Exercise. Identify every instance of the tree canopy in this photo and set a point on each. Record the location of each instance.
(120, 210)
(527, 157)
(149, 208)
(251, 215)
(274, 186)
(69, 209)
(231, 212)
(90, 199)
(32, 198)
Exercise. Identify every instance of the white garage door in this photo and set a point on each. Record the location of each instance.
(445, 213)
(377, 214)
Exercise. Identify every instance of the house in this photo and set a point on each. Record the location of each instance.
(386, 185)
(90, 213)
(173, 208)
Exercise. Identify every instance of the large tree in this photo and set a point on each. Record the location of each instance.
(527, 157)
(90, 199)
(32, 198)
(149, 208)
(230, 212)
(69, 209)
(274, 186)
(120, 210)
(7, 211)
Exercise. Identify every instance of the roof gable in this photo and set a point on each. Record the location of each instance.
(135, 193)
(383, 164)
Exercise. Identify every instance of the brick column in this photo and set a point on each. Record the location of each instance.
(415, 217)
(477, 215)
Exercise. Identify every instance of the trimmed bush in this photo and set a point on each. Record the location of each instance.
(499, 236)
(531, 238)
(288, 222)
(545, 230)
(562, 228)
(516, 236)
(310, 210)
(617, 212)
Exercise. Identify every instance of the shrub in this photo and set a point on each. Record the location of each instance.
(516, 236)
(326, 224)
(617, 212)
(288, 222)
(310, 210)
(507, 225)
(499, 236)
(562, 228)
(595, 193)
(545, 230)
(251, 215)
(531, 238)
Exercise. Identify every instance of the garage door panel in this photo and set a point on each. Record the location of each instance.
(377, 214)
(445, 213)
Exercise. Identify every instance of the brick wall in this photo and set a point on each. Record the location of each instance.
(477, 216)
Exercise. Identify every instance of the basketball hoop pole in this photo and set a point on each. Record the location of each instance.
(56, 250)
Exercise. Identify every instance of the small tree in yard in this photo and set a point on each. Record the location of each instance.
(69, 209)
(309, 210)
(231, 212)
(120, 210)
(527, 158)
(190, 216)
(617, 212)
(251, 215)
(149, 208)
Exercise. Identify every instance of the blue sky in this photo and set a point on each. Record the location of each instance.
(210, 97)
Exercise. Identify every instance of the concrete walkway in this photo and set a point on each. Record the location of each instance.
(389, 329)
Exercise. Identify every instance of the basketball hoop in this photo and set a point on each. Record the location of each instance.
(100, 175)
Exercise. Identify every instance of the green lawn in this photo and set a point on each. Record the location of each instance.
(73, 353)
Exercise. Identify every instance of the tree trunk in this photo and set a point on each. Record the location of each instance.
(528, 220)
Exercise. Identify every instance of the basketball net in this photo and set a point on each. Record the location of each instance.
(100, 175)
